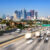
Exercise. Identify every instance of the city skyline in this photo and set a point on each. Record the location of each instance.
(8, 7)
(22, 14)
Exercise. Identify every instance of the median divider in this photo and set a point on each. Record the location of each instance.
(13, 40)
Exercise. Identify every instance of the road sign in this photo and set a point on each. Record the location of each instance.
(45, 25)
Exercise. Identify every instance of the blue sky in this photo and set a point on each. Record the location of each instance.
(9, 6)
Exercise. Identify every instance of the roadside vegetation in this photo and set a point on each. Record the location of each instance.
(21, 24)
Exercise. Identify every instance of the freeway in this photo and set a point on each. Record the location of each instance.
(12, 35)
(23, 44)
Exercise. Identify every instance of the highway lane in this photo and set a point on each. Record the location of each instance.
(48, 47)
(45, 46)
(22, 44)
(13, 34)
(27, 44)
(14, 44)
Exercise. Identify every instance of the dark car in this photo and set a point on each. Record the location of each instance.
(46, 39)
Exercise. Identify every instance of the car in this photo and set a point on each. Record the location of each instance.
(44, 34)
(18, 30)
(46, 39)
(39, 39)
(42, 37)
(28, 36)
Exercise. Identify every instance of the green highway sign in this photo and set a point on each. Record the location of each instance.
(45, 25)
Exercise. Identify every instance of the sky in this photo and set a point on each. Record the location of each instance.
(8, 7)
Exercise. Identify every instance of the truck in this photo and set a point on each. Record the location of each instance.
(37, 34)
(28, 36)
(48, 33)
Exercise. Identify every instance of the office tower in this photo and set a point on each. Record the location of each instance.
(11, 17)
(15, 15)
(19, 14)
(32, 13)
(28, 15)
(23, 14)
(36, 14)
(16, 12)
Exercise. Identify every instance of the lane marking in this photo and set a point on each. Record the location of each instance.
(1, 45)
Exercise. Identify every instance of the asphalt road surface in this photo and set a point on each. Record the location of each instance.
(23, 44)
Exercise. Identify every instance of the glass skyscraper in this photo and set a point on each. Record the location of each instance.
(36, 14)
(32, 13)
(23, 14)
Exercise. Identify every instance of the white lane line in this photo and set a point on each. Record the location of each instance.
(14, 45)
(48, 47)
(31, 45)
(39, 45)
(23, 46)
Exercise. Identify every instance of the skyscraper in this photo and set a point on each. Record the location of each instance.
(11, 17)
(32, 13)
(16, 12)
(36, 14)
(15, 15)
(19, 14)
(23, 14)
(28, 16)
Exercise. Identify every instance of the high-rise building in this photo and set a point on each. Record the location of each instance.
(11, 17)
(19, 14)
(36, 14)
(28, 16)
(32, 13)
(16, 12)
(15, 15)
(23, 14)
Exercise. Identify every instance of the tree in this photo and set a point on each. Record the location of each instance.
(3, 22)
(20, 26)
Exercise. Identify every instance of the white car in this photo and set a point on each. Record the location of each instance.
(18, 30)
(28, 35)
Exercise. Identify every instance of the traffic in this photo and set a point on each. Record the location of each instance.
(38, 40)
